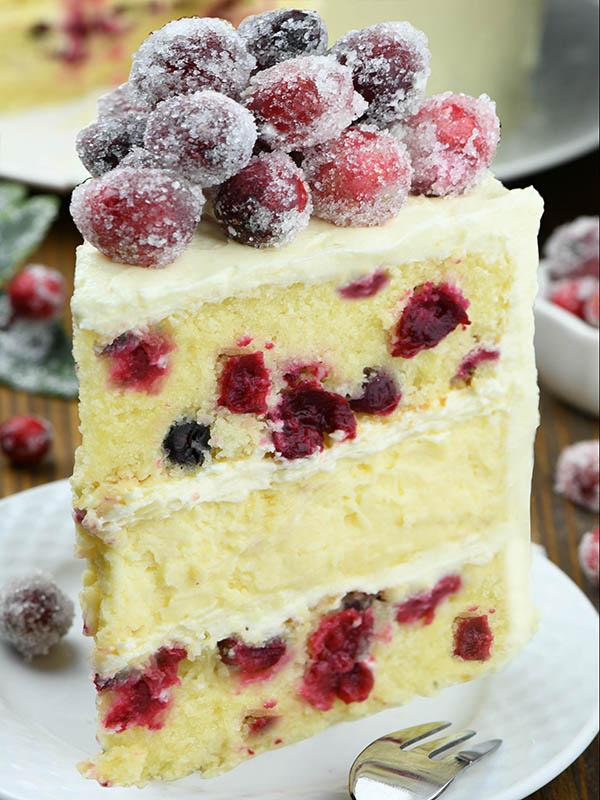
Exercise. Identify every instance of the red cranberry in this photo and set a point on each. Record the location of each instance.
(578, 474)
(390, 67)
(589, 555)
(276, 36)
(380, 393)
(36, 292)
(355, 686)
(102, 145)
(432, 312)
(25, 440)
(144, 217)
(253, 662)
(573, 294)
(365, 287)
(473, 638)
(266, 204)
(362, 177)
(188, 55)
(139, 361)
(259, 724)
(245, 384)
(452, 140)
(468, 366)
(572, 250)
(302, 102)
(423, 606)
(120, 100)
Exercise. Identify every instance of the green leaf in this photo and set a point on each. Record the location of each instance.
(11, 193)
(23, 225)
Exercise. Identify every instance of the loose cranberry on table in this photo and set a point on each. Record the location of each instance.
(103, 144)
(36, 292)
(25, 440)
(282, 34)
(361, 177)
(573, 249)
(578, 474)
(589, 555)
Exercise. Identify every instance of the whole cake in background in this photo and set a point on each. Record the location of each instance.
(304, 333)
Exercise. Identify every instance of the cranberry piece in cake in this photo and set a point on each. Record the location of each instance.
(187, 443)
(188, 55)
(206, 136)
(102, 145)
(368, 286)
(451, 140)
(266, 204)
(244, 384)
(253, 662)
(575, 295)
(25, 440)
(577, 474)
(302, 102)
(589, 555)
(431, 313)
(361, 177)
(259, 724)
(468, 366)
(422, 607)
(380, 393)
(145, 217)
(139, 360)
(282, 34)
(36, 292)
(473, 638)
(390, 67)
(573, 250)
(34, 614)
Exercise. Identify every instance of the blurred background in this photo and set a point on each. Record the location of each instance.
(538, 59)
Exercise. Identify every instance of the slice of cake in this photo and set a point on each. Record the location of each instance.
(303, 488)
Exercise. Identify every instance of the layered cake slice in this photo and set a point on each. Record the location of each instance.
(303, 488)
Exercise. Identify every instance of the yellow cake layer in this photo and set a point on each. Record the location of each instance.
(206, 728)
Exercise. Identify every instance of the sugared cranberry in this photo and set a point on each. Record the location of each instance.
(365, 287)
(252, 662)
(138, 361)
(574, 294)
(34, 614)
(451, 140)
(422, 607)
(473, 638)
(380, 393)
(431, 313)
(334, 669)
(36, 292)
(244, 384)
(120, 100)
(25, 440)
(102, 145)
(266, 204)
(302, 102)
(578, 474)
(572, 250)
(279, 35)
(206, 136)
(259, 724)
(145, 217)
(188, 55)
(468, 366)
(390, 66)
(187, 443)
(589, 555)
(306, 412)
(362, 177)
(141, 698)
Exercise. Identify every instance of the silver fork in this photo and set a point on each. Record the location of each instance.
(405, 766)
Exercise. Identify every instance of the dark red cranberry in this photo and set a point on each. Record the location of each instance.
(252, 662)
(432, 312)
(244, 384)
(365, 287)
(187, 443)
(279, 35)
(358, 600)
(473, 638)
(422, 606)
(380, 394)
(36, 292)
(139, 361)
(25, 440)
(469, 364)
(102, 145)
(355, 686)
(259, 724)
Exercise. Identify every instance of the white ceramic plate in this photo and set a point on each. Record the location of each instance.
(560, 122)
(544, 704)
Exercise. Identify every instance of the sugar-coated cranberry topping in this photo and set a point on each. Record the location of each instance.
(390, 66)
(205, 136)
(187, 443)
(573, 249)
(468, 366)
(578, 474)
(365, 287)
(25, 440)
(589, 555)
(244, 384)
(120, 100)
(380, 393)
(334, 668)
(141, 698)
(139, 360)
(422, 607)
(473, 638)
(188, 55)
(361, 177)
(259, 724)
(574, 294)
(103, 144)
(136, 216)
(266, 204)
(431, 313)
(306, 412)
(252, 662)
(36, 292)
(451, 140)
(302, 102)
(34, 614)
(282, 34)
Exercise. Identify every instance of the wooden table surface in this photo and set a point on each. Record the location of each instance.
(557, 524)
